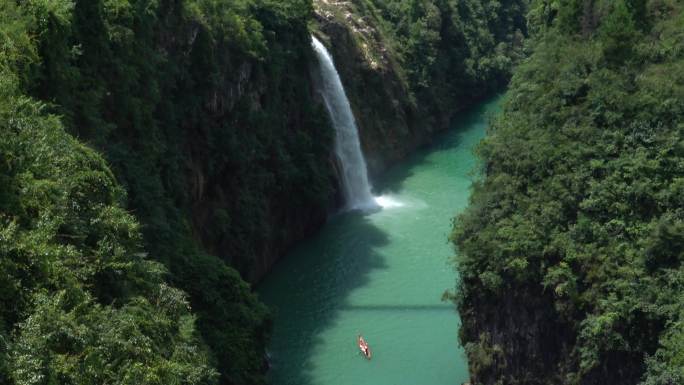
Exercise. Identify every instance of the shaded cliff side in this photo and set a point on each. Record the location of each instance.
(571, 253)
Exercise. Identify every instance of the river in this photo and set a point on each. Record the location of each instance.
(381, 275)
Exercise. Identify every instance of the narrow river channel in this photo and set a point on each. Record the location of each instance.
(380, 275)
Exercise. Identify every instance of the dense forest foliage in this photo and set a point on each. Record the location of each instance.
(571, 252)
(79, 303)
(141, 81)
(450, 53)
(153, 151)
(203, 109)
(452, 50)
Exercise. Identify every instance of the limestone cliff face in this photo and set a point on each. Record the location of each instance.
(259, 171)
(520, 339)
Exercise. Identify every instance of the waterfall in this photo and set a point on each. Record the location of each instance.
(357, 190)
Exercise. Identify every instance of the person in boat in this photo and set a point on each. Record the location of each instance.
(364, 346)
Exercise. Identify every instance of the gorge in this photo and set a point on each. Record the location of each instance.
(185, 185)
(380, 274)
(158, 156)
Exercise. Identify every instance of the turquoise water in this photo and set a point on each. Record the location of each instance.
(380, 275)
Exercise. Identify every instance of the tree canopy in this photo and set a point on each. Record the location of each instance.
(79, 302)
(579, 213)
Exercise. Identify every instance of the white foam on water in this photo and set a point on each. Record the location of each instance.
(388, 202)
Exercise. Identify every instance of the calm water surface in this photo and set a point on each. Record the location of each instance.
(381, 275)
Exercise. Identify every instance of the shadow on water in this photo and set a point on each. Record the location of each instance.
(320, 273)
(392, 181)
(311, 287)
(448, 307)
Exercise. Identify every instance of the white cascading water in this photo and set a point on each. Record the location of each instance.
(357, 190)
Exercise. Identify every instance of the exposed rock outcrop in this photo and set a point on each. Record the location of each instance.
(390, 122)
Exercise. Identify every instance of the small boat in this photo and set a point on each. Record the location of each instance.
(363, 346)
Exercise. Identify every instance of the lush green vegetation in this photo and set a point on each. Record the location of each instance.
(79, 303)
(161, 89)
(154, 152)
(450, 52)
(174, 94)
(460, 43)
(579, 221)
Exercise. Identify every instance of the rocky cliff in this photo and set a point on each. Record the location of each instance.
(286, 195)
(380, 98)
(261, 171)
(404, 86)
